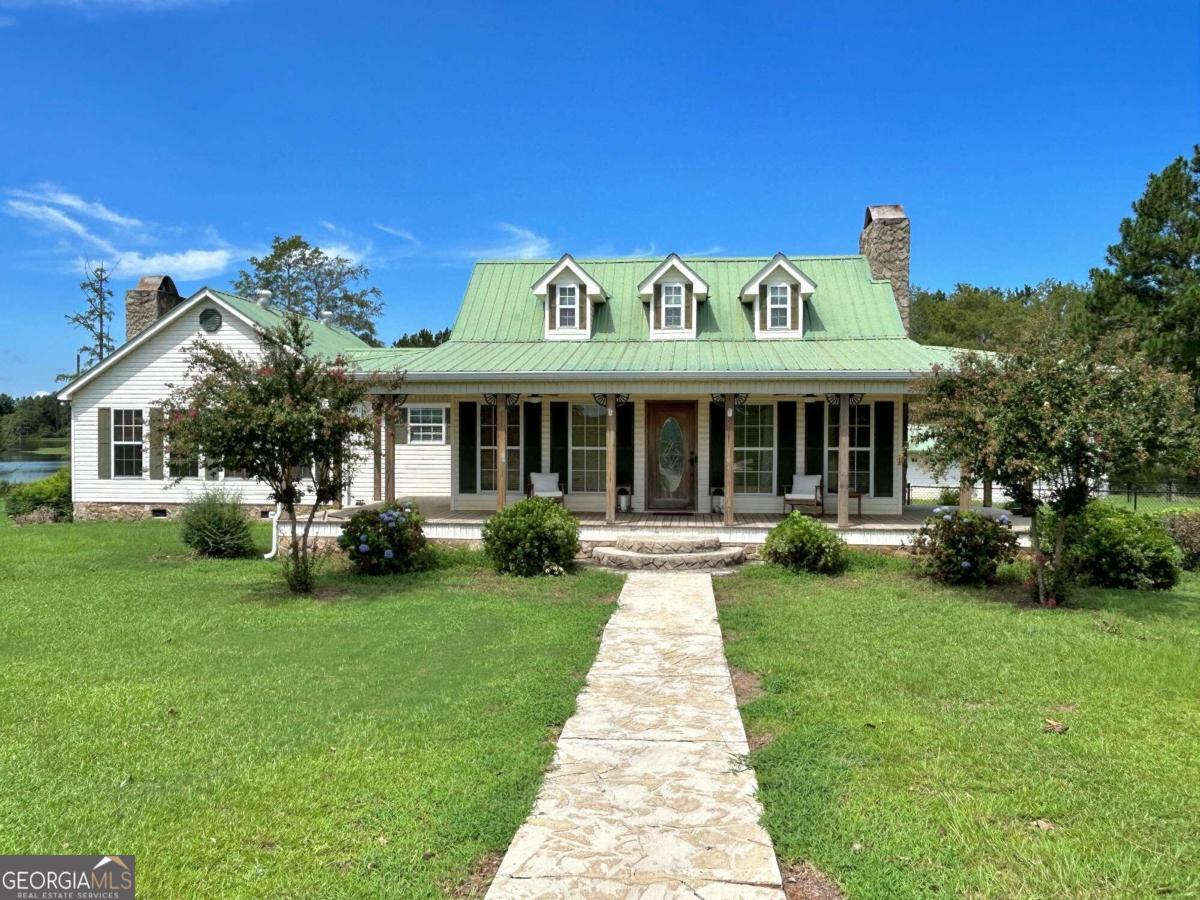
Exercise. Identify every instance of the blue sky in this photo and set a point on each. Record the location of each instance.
(179, 136)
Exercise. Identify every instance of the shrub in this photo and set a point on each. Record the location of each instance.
(962, 548)
(535, 536)
(53, 492)
(214, 524)
(1110, 546)
(803, 544)
(1183, 525)
(386, 540)
(948, 496)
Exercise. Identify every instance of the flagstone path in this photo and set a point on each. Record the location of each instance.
(649, 795)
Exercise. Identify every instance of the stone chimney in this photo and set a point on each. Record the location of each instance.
(886, 243)
(154, 297)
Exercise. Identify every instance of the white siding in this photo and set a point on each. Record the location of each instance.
(140, 381)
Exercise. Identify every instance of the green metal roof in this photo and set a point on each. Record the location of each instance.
(327, 340)
(848, 302)
(851, 325)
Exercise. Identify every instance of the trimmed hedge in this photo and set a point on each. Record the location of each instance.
(1183, 525)
(535, 536)
(1110, 546)
(802, 544)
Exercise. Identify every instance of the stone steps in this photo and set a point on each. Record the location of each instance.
(694, 559)
(665, 544)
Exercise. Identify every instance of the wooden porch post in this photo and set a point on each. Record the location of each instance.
(377, 457)
(501, 450)
(610, 460)
(729, 413)
(389, 449)
(987, 492)
(965, 488)
(843, 498)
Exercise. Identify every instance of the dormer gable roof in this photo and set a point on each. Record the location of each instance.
(699, 285)
(566, 263)
(749, 291)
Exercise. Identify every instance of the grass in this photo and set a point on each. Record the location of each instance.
(375, 742)
(63, 452)
(907, 755)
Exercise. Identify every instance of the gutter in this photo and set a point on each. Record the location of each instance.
(274, 532)
(691, 375)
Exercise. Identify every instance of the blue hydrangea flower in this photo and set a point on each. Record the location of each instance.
(966, 564)
(391, 523)
(364, 548)
(362, 538)
(388, 554)
(947, 518)
(937, 510)
(1004, 520)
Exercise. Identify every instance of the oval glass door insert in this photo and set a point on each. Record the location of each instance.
(670, 455)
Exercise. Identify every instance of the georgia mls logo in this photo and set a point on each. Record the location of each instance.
(66, 877)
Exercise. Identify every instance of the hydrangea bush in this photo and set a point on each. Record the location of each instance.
(963, 548)
(386, 540)
(535, 536)
(803, 544)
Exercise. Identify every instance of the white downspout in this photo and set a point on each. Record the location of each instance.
(274, 532)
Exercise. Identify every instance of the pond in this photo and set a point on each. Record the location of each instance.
(36, 458)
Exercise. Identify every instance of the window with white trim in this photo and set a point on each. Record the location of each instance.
(672, 301)
(568, 306)
(426, 425)
(860, 448)
(488, 449)
(127, 433)
(778, 305)
(754, 449)
(589, 452)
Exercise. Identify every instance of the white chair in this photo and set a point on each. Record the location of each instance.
(546, 484)
(807, 495)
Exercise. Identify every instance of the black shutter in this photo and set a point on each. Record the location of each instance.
(402, 425)
(104, 442)
(814, 437)
(560, 440)
(467, 413)
(531, 440)
(625, 444)
(786, 468)
(885, 448)
(716, 445)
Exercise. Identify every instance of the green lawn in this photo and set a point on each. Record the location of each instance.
(375, 742)
(907, 753)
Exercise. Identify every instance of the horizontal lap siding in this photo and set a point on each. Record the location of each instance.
(138, 382)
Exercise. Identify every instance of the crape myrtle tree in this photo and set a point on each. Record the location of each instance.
(1050, 422)
(291, 419)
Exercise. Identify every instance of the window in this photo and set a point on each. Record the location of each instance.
(426, 425)
(127, 443)
(778, 305)
(487, 448)
(588, 454)
(860, 448)
(182, 467)
(754, 449)
(672, 300)
(568, 310)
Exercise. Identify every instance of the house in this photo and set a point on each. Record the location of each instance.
(678, 385)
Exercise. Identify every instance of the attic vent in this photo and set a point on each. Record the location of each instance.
(210, 320)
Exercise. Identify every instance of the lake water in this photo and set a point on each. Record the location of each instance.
(19, 466)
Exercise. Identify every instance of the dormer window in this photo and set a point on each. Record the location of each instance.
(672, 298)
(568, 310)
(779, 303)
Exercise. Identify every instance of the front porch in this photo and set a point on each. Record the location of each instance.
(442, 523)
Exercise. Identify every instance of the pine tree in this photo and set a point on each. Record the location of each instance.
(95, 317)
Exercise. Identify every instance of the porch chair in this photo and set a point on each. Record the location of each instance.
(546, 484)
(807, 495)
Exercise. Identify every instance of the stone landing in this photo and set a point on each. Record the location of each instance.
(649, 795)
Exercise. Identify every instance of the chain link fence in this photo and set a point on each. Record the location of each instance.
(1147, 498)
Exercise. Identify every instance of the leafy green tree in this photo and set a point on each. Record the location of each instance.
(94, 318)
(291, 419)
(422, 338)
(303, 279)
(1152, 282)
(989, 318)
(1051, 421)
(7, 404)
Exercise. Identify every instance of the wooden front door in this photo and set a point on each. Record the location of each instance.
(671, 456)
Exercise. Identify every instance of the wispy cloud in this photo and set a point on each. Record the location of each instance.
(403, 233)
(521, 243)
(126, 243)
(707, 251)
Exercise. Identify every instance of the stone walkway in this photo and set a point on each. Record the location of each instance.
(649, 795)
